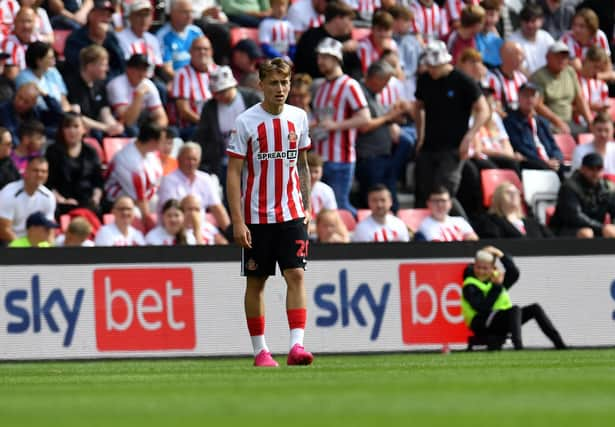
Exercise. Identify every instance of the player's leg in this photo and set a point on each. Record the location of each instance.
(292, 257)
(257, 265)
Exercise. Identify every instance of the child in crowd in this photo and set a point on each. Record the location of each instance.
(77, 234)
(167, 152)
(31, 135)
(595, 91)
(472, 20)
(171, 229)
(488, 41)
(276, 34)
(372, 47)
(330, 228)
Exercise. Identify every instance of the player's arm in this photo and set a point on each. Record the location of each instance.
(304, 179)
(241, 233)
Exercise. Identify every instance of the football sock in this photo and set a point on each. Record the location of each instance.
(256, 326)
(296, 323)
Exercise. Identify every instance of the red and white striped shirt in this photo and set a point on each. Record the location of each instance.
(391, 93)
(303, 16)
(393, 230)
(132, 174)
(278, 33)
(595, 92)
(578, 51)
(338, 100)
(429, 21)
(452, 229)
(368, 52)
(454, 8)
(8, 10)
(270, 146)
(193, 86)
(540, 149)
(147, 45)
(506, 89)
(16, 49)
(365, 8)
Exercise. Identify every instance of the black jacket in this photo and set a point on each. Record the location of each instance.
(492, 226)
(483, 303)
(209, 136)
(579, 204)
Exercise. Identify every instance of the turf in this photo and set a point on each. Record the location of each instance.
(530, 388)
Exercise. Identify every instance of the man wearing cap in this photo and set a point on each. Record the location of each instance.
(136, 38)
(19, 199)
(586, 202)
(338, 25)
(245, 57)
(134, 97)
(98, 31)
(559, 91)
(218, 119)
(191, 85)
(529, 133)
(340, 109)
(445, 100)
(39, 232)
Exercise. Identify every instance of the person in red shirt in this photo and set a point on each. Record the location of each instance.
(472, 21)
(268, 172)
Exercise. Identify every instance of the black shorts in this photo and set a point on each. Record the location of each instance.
(284, 243)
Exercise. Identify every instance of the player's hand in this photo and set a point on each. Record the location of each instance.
(242, 236)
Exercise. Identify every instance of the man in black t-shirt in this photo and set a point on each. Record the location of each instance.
(338, 25)
(445, 100)
(86, 88)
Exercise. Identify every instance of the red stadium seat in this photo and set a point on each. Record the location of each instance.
(64, 221)
(113, 145)
(491, 178)
(240, 33)
(59, 41)
(549, 211)
(585, 138)
(413, 217)
(360, 33)
(566, 144)
(610, 177)
(347, 219)
(362, 214)
(93, 142)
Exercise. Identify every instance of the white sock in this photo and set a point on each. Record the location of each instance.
(259, 344)
(296, 336)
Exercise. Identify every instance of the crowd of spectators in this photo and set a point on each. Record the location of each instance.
(451, 87)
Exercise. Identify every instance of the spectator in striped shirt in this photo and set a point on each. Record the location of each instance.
(373, 46)
(306, 14)
(191, 86)
(340, 109)
(595, 91)
(17, 42)
(454, 9)
(276, 34)
(381, 225)
(430, 20)
(506, 79)
(585, 32)
(472, 20)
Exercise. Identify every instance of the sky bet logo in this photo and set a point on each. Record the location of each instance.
(36, 309)
(144, 309)
(343, 303)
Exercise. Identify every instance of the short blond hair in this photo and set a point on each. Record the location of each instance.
(91, 54)
(275, 65)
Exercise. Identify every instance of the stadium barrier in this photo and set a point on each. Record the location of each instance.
(66, 303)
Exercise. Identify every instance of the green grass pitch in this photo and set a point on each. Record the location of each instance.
(529, 388)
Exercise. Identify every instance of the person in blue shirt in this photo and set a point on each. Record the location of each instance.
(177, 35)
(488, 41)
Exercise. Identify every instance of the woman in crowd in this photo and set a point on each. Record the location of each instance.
(506, 219)
(584, 32)
(171, 230)
(42, 26)
(75, 174)
(40, 63)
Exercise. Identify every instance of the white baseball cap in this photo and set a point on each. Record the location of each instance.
(559, 47)
(436, 54)
(221, 79)
(139, 5)
(329, 46)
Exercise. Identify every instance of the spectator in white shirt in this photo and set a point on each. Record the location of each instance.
(602, 128)
(187, 179)
(381, 225)
(439, 226)
(534, 41)
(19, 199)
(77, 234)
(171, 230)
(330, 228)
(121, 232)
(204, 232)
